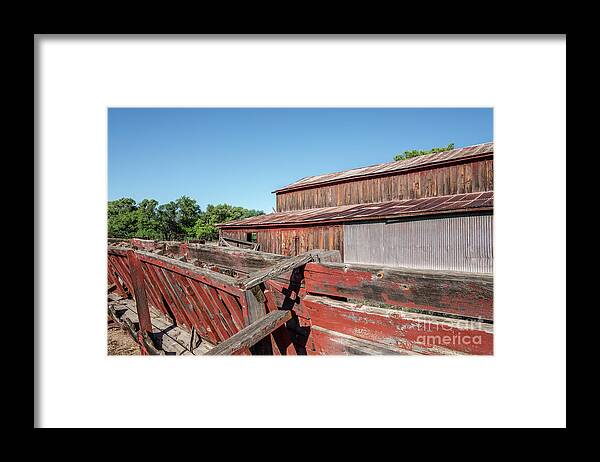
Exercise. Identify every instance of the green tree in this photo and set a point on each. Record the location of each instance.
(148, 223)
(167, 219)
(174, 220)
(416, 152)
(205, 227)
(122, 218)
(188, 212)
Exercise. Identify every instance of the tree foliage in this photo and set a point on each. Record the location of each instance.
(418, 152)
(205, 227)
(178, 219)
(122, 218)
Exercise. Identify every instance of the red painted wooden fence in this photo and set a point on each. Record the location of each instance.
(191, 296)
(427, 312)
(335, 308)
(441, 292)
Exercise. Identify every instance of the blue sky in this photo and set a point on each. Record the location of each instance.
(238, 156)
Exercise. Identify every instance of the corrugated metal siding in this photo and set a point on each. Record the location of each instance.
(460, 243)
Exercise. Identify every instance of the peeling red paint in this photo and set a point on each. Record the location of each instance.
(334, 306)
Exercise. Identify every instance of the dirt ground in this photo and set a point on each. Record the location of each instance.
(121, 343)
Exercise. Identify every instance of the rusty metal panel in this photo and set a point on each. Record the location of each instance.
(359, 212)
(456, 243)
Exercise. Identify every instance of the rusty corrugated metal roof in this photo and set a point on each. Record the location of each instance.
(374, 211)
(390, 167)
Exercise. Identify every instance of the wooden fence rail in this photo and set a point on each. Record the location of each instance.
(251, 335)
(193, 297)
(309, 304)
(454, 293)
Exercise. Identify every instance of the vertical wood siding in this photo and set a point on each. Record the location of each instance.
(442, 181)
(293, 241)
(462, 243)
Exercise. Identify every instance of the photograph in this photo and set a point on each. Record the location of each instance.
(329, 204)
(300, 231)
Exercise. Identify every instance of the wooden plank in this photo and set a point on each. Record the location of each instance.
(458, 293)
(221, 281)
(226, 241)
(281, 341)
(113, 269)
(192, 304)
(240, 259)
(204, 312)
(139, 291)
(328, 342)
(490, 174)
(234, 309)
(251, 334)
(401, 329)
(280, 268)
(172, 339)
(178, 300)
(156, 276)
(121, 268)
(475, 176)
(153, 293)
(257, 310)
(286, 266)
(256, 304)
(224, 313)
(212, 311)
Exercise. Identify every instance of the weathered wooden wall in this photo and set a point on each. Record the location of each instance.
(293, 241)
(394, 311)
(466, 177)
(335, 322)
(455, 243)
(440, 292)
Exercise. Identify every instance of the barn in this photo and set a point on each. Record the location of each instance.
(427, 212)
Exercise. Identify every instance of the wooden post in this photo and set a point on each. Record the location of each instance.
(257, 310)
(139, 291)
(281, 341)
(256, 304)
